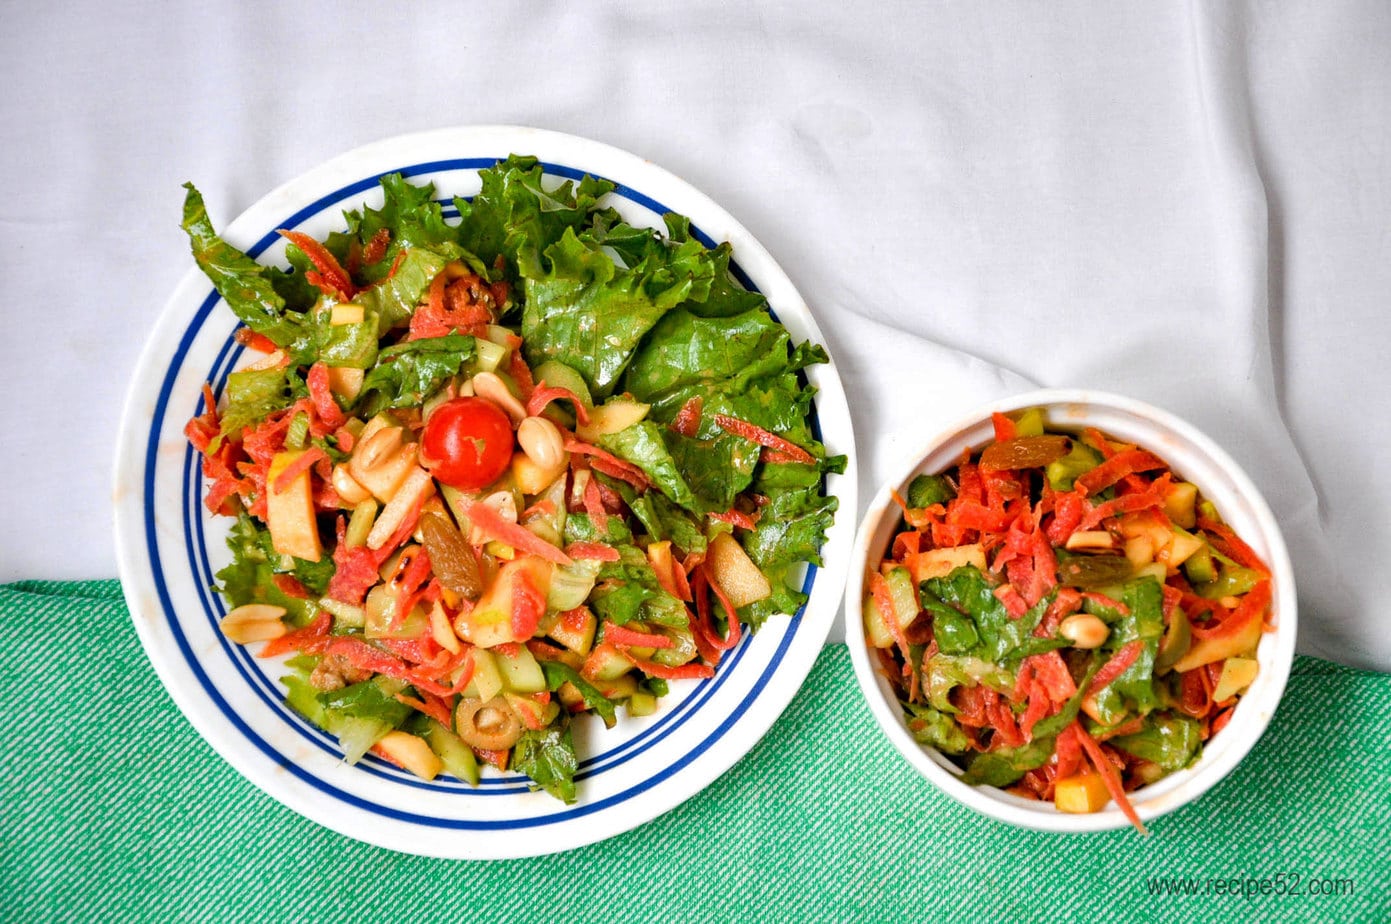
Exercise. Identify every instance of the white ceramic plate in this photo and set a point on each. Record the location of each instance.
(169, 547)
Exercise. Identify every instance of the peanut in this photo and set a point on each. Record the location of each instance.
(491, 386)
(541, 441)
(254, 622)
(1084, 630)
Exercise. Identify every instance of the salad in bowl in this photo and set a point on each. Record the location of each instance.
(1065, 628)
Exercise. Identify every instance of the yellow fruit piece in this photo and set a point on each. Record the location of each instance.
(290, 513)
(1209, 650)
(534, 479)
(1180, 504)
(412, 753)
(345, 382)
(941, 562)
(1081, 794)
(1237, 675)
(735, 572)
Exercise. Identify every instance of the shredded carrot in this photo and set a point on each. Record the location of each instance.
(622, 637)
(302, 464)
(687, 420)
(330, 278)
(611, 464)
(1004, 427)
(429, 704)
(1117, 467)
(544, 394)
(761, 436)
(736, 518)
(254, 341)
(595, 551)
(1109, 775)
(689, 671)
(492, 525)
(1117, 665)
(884, 600)
(1231, 545)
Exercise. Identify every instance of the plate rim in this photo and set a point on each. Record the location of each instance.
(138, 440)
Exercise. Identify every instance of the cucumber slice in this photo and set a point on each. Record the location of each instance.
(520, 672)
(456, 756)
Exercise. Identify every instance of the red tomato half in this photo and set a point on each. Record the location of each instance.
(467, 443)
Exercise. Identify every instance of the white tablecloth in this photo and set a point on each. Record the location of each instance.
(1184, 203)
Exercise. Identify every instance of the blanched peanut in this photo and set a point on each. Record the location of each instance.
(378, 448)
(270, 361)
(1084, 630)
(489, 385)
(541, 441)
(254, 622)
(349, 490)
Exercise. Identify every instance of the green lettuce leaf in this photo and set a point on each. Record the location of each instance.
(266, 299)
(1171, 741)
(1002, 637)
(548, 757)
(410, 372)
(945, 672)
(393, 302)
(936, 729)
(628, 590)
(516, 217)
(254, 394)
(409, 214)
(586, 311)
(558, 674)
(1007, 765)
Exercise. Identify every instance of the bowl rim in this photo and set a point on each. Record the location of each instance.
(1220, 754)
(790, 652)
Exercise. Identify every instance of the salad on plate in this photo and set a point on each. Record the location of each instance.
(1064, 617)
(493, 472)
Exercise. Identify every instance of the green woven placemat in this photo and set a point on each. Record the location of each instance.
(117, 810)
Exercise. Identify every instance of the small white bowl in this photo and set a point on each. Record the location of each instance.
(1192, 456)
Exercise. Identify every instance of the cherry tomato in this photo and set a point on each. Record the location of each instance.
(467, 443)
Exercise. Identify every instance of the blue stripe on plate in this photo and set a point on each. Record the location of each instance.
(212, 606)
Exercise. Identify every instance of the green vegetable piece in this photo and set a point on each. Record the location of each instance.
(1171, 741)
(457, 757)
(1004, 767)
(301, 696)
(936, 729)
(1232, 581)
(946, 672)
(297, 431)
(408, 373)
(1178, 638)
(970, 593)
(927, 490)
(548, 757)
(361, 714)
(1029, 423)
(1144, 598)
(1200, 567)
(268, 300)
(1080, 460)
(250, 578)
(252, 395)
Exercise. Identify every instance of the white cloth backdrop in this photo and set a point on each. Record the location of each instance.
(1184, 203)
